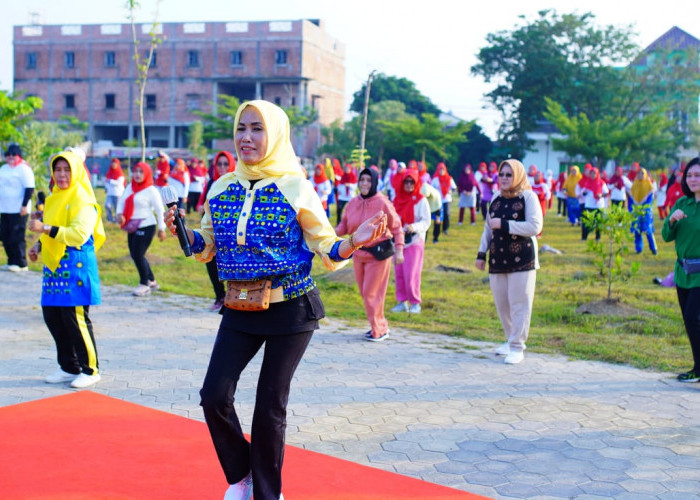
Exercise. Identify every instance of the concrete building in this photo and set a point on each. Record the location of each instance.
(87, 71)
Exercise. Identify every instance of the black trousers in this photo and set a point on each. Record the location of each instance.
(689, 300)
(445, 217)
(484, 208)
(561, 206)
(436, 225)
(138, 242)
(584, 227)
(219, 290)
(264, 454)
(12, 230)
(192, 200)
(71, 329)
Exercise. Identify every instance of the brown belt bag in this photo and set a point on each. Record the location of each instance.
(248, 295)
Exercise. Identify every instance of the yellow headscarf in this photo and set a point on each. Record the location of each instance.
(572, 181)
(279, 158)
(641, 187)
(520, 183)
(64, 204)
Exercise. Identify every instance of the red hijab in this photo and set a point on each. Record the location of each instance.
(617, 179)
(595, 185)
(231, 163)
(136, 187)
(115, 172)
(634, 170)
(319, 174)
(180, 171)
(404, 202)
(349, 177)
(444, 177)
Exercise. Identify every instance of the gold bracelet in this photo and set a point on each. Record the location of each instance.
(352, 242)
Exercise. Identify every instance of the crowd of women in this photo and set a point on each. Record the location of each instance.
(260, 259)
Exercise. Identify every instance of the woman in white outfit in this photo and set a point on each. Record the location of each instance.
(510, 236)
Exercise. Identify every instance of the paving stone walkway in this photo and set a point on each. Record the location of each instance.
(428, 406)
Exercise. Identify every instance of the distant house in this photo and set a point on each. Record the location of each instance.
(674, 40)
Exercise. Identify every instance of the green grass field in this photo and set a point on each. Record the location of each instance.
(460, 303)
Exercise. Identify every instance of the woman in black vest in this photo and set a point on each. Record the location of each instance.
(510, 236)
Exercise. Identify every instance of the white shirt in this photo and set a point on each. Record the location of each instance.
(13, 182)
(448, 197)
(589, 201)
(180, 189)
(620, 194)
(148, 205)
(421, 221)
(114, 187)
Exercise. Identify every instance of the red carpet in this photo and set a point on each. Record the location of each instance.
(87, 446)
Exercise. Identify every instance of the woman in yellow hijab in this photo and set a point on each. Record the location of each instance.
(71, 233)
(264, 222)
(642, 194)
(573, 206)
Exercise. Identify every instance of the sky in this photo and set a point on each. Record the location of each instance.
(433, 43)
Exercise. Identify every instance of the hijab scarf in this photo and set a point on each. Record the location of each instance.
(572, 180)
(374, 175)
(319, 174)
(520, 183)
(280, 158)
(617, 179)
(404, 202)
(231, 163)
(179, 171)
(135, 188)
(444, 177)
(595, 185)
(116, 172)
(466, 181)
(349, 177)
(641, 187)
(65, 204)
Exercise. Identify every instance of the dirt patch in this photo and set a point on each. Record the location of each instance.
(450, 269)
(611, 307)
(345, 275)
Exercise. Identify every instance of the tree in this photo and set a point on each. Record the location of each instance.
(563, 57)
(612, 136)
(391, 88)
(15, 111)
(195, 134)
(41, 140)
(339, 140)
(614, 225)
(219, 123)
(142, 63)
(427, 138)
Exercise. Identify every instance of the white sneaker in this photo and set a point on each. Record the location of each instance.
(84, 380)
(514, 357)
(60, 376)
(153, 285)
(13, 268)
(414, 309)
(503, 349)
(141, 291)
(242, 490)
(401, 307)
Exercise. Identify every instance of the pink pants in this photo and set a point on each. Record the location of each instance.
(372, 278)
(408, 274)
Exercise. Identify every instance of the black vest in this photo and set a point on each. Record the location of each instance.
(510, 253)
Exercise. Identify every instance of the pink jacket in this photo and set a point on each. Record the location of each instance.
(359, 209)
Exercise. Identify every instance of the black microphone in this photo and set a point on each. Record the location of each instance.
(170, 199)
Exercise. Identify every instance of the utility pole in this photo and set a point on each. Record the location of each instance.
(364, 119)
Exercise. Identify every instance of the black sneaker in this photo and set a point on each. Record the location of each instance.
(691, 376)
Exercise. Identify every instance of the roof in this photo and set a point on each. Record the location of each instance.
(675, 39)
